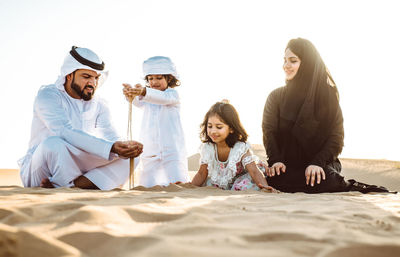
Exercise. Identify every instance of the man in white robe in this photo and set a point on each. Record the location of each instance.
(73, 143)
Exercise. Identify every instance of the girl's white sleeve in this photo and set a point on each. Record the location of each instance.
(248, 156)
(206, 152)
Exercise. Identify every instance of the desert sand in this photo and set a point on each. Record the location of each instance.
(182, 220)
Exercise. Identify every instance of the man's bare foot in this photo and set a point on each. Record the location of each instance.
(45, 183)
(84, 183)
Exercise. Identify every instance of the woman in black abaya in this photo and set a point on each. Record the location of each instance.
(303, 127)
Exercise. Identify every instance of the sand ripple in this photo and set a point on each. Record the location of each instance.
(17, 242)
(363, 250)
(105, 244)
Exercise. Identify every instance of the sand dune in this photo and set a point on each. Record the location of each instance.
(183, 220)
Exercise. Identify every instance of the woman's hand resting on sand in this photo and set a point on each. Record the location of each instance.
(276, 169)
(314, 172)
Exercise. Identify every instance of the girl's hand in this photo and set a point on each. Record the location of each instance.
(268, 189)
(201, 176)
(277, 168)
(314, 172)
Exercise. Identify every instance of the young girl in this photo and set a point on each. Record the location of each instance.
(163, 160)
(226, 159)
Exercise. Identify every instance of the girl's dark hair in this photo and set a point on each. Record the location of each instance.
(228, 115)
(171, 80)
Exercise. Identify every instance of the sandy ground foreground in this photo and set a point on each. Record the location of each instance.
(187, 221)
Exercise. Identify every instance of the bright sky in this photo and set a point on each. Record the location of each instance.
(222, 49)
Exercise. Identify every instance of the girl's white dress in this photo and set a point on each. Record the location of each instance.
(230, 174)
(164, 159)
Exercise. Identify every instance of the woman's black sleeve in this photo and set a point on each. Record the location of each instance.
(333, 145)
(270, 126)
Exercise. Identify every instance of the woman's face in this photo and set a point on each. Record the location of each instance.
(291, 64)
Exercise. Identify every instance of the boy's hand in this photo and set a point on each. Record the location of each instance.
(130, 92)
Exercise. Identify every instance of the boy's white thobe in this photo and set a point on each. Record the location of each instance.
(69, 138)
(163, 160)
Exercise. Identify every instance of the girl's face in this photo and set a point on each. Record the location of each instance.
(157, 82)
(291, 64)
(217, 130)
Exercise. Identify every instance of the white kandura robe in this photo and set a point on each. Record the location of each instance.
(164, 159)
(69, 138)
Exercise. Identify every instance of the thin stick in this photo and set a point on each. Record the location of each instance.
(129, 136)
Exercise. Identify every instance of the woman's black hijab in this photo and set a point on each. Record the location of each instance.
(311, 100)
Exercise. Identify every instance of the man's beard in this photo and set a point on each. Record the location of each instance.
(81, 93)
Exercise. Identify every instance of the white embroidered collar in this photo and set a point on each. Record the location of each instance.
(222, 176)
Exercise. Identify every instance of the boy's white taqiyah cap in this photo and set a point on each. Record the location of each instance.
(159, 65)
(81, 58)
